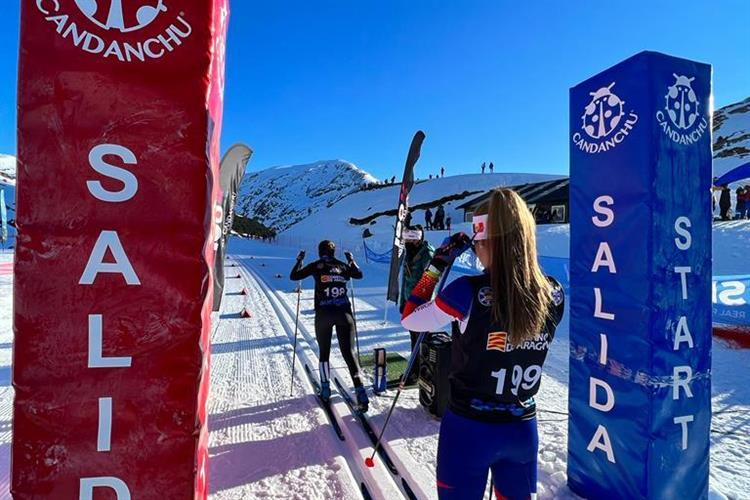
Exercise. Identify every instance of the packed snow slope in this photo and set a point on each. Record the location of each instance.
(281, 196)
(731, 136)
(369, 208)
(7, 170)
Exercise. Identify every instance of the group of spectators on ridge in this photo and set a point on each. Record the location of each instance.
(741, 205)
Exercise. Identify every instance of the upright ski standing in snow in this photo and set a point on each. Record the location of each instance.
(403, 208)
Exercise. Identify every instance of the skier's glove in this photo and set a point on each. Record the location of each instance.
(450, 249)
(300, 255)
(349, 257)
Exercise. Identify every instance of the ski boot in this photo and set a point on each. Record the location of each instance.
(325, 391)
(363, 402)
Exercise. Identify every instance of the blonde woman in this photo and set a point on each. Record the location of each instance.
(503, 323)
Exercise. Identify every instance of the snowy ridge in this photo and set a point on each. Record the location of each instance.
(7, 170)
(281, 196)
(362, 204)
(731, 136)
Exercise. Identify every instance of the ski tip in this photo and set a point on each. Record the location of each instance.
(369, 462)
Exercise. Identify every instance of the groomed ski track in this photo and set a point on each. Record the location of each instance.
(263, 442)
(411, 438)
(379, 481)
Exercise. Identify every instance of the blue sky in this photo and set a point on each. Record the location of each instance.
(486, 80)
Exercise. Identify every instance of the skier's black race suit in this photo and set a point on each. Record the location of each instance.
(332, 307)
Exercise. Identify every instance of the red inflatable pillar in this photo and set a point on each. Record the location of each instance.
(119, 118)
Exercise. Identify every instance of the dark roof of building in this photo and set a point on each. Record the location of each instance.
(532, 193)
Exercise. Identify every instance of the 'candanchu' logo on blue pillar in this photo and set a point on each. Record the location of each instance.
(640, 281)
(604, 122)
(687, 121)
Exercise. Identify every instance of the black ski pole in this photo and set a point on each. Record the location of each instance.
(414, 353)
(356, 330)
(369, 461)
(296, 323)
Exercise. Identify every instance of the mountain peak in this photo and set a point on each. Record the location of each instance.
(282, 195)
(731, 136)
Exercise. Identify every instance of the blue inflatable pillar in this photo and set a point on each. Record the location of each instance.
(640, 325)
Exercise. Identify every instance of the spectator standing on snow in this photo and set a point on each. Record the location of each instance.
(747, 201)
(407, 219)
(440, 218)
(442, 171)
(492, 168)
(418, 254)
(428, 219)
(484, 165)
(725, 202)
(448, 223)
(740, 212)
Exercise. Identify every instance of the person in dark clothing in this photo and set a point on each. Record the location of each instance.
(740, 212)
(333, 309)
(428, 219)
(484, 165)
(407, 219)
(448, 221)
(416, 259)
(725, 202)
(746, 197)
(492, 168)
(440, 218)
(442, 171)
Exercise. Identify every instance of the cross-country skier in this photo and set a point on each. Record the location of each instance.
(332, 308)
(503, 322)
(419, 252)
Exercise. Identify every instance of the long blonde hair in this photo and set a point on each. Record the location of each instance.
(522, 293)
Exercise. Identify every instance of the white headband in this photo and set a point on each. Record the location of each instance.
(412, 235)
(480, 227)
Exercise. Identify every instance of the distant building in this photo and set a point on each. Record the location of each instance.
(549, 201)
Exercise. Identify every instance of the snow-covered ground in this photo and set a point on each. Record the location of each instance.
(254, 416)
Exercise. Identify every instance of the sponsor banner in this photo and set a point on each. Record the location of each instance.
(640, 279)
(119, 118)
(731, 301)
(231, 173)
